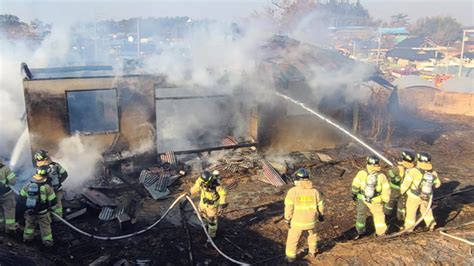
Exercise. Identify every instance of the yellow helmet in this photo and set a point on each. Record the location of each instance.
(39, 178)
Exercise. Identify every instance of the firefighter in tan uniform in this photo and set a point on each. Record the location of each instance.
(40, 198)
(396, 176)
(7, 199)
(371, 190)
(418, 186)
(303, 205)
(213, 200)
(56, 175)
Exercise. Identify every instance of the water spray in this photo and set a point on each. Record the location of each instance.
(19, 149)
(329, 121)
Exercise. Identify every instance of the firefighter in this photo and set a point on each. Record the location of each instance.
(40, 199)
(396, 175)
(7, 199)
(303, 204)
(418, 186)
(213, 200)
(56, 176)
(371, 190)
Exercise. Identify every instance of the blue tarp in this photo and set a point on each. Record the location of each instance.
(393, 31)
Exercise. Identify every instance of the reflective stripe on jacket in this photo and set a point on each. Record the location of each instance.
(209, 197)
(47, 198)
(382, 187)
(397, 174)
(413, 179)
(7, 179)
(303, 204)
(56, 170)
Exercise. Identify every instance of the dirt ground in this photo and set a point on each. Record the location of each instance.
(252, 229)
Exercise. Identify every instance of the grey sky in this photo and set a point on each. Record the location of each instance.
(70, 10)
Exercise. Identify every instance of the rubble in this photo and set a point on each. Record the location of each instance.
(124, 220)
(229, 141)
(168, 161)
(109, 213)
(76, 214)
(271, 174)
(156, 182)
(98, 198)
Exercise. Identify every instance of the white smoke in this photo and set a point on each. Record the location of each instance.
(14, 136)
(79, 159)
(12, 107)
(213, 56)
(54, 49)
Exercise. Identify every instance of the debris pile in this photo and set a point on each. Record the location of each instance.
(156, 181)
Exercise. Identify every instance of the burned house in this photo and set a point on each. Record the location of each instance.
(120, 112)
(135, 113)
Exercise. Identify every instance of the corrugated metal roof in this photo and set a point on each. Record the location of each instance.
(96, 71)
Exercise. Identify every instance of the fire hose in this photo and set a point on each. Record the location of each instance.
(410, 229)
(443, 232)
(176, 201)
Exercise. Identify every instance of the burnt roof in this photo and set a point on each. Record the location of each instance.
(98, 71)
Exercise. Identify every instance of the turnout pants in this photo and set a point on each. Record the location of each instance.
(7, 212)
(44, 223)
(294, 235)
(365, 209)
(209, 215)
(58, 209)
(413, 204)
(396, 200)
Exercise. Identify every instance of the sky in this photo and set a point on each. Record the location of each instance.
(67, 10)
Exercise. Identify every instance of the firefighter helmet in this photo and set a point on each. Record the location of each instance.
(423, 157)
(206, 177)
(39, 178)
(408, 156)
(302, 173)
(42, 170)
(373, 160)
(41, 155)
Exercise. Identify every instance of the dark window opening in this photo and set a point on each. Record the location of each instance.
(93, 111)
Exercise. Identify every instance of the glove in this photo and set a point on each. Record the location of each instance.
(354, 197)
(321, 218)
(29, 212)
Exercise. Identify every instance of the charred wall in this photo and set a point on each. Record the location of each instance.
(49, 121)
(284, 127)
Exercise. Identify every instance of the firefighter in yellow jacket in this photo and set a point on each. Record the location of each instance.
(371, 190)
(7, 199)
(213, 200)
(40, 199)
(56, 175)
(303, 205)
(418, 186)
(396, 176)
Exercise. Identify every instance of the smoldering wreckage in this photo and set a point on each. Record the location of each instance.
(136, 210)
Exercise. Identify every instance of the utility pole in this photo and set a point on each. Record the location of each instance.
(95, 40)
(354, 49)
(380, 44)
(462, 53)
(138, 37)
(446, 59)
(464, 39)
